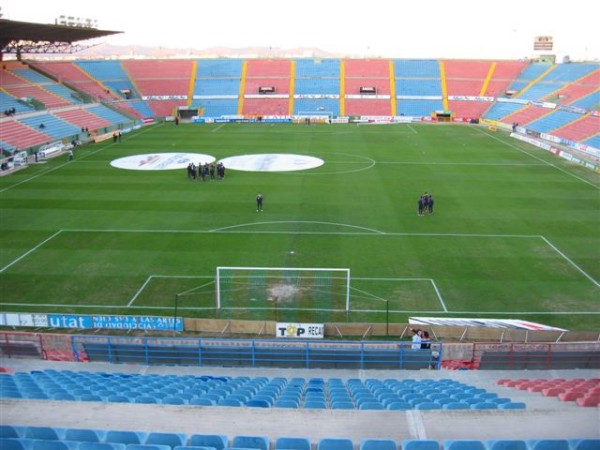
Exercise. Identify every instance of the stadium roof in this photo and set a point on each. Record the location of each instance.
(15, 33)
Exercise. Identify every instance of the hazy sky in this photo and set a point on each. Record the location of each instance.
(386, 28)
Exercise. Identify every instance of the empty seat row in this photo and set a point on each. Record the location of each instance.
(263, 392)
(52, 438)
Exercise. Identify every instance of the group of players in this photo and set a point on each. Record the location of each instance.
(425, 204)
(205, 171)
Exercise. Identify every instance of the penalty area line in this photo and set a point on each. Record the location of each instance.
(149, 279)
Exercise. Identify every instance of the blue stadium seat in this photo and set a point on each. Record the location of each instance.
(46, 433)
(463, 444)
(171, 439)
(456, 405)
(335, 444)
(16, 443)
(547, 444)
(191, 447)
(146, 399)
(255, 442)
(218, 441)
(125, 437)
(83, 435)
(101, 446)
(292, 443)
(378, 444)
(414, 444)
(584, 444)
(8, 431)
(398, 406)
(505, 444)
(258, 403)
(338, 404)
(147, 447)
(202, 402)
(43, 444)
(512, 405)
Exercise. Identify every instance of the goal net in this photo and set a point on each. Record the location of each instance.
(278, 293)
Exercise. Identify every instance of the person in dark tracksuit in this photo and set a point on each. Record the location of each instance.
(259, 202)
(420, 206)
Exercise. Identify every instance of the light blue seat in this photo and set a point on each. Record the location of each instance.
(428, 406)
(174, 400)
(255, 442)
(147, 447)
(16, 443)
(456, 405)
(8, 431)
(125, 437)
(286, 404)
(338, 404)
(258, 403)
(399, 406)
(229, 402)
(512, 405)
(200, 401)
(43, 444)
(171, 439)
(584, 444)
(484, 405)
(315, 404)
(292, 443)
(547, 444)
(90, 398)
(463, 444)
(505, 444)
(83, 435)
(335, 444)
(378, 444)
(218, 441)
(101, 446)
(425, 444)
(118, 398)
(45, 433)
(191, 447)
(147, 399)
(371, 405)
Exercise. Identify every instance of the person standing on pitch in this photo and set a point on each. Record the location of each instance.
(259, 202)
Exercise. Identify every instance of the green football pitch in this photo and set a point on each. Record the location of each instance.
(514, 233)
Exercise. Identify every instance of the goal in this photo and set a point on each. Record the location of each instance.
(283, 288)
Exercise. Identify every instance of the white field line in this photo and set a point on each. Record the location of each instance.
(439, 295)
(509, 144)
(60, 166)
(24, 255)
(412, 129)
(570, 261)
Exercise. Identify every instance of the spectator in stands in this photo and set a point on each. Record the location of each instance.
(42, 126)
(425, 341)
(416, 339)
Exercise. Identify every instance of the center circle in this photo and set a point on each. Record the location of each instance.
(272, 162)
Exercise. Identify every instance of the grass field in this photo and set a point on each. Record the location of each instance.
(514, 233)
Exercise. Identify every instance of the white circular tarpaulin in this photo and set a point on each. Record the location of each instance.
(161, 161)
(272, 162)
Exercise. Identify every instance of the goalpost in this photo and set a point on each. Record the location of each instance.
(255, 288)
(315, 116)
